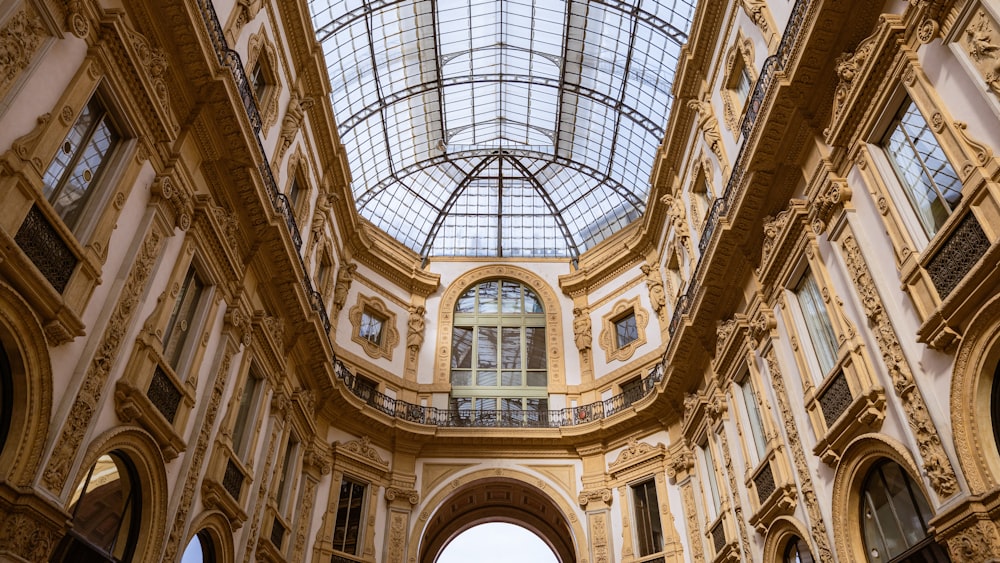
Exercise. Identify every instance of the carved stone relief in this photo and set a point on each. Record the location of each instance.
(981, 43)
(20, 37)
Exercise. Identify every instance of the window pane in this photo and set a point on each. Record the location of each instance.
(463, 377)
(181, 323)
(510, 348)
(247, 404)
(817, 322)
(648, 530)
(371, 328)
(931, 184)
(489, 404)
(487, 347)
(467, 302)
(626, 330)
(532, 304)
(348, 523)
(753, 414)
(511, 379)
(534, 344)
(511, 292)
(461, 347)
(486, 378)
(488, 297)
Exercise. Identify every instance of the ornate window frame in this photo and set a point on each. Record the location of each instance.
(639, 463)
(390, 335)
(260, 50)
(359, 461)
(607, 340)
(701, 193)
(739, 59)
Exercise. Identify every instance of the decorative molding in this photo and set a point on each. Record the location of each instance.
(20, 37)
(86, 403)
(935, 461)
(586, 496)
(981, 42)
(389, 336)
(363, 451)
(817, 527)
(608, 340)
(411, 495)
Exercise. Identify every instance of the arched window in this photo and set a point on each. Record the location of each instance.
(894, 516)
(498, 354)
(105, 508)
(6, 396)
(200, 549)
(797, 551)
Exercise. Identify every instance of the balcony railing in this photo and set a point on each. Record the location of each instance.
(467, 418)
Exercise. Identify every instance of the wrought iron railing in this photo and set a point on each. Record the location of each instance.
(724, 203)
(461, 418)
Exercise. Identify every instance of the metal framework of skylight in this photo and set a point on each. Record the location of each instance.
(501, 127)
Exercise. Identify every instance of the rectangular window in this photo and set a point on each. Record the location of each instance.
(708, 467)
(245, 419)
(821, 335)
(632, 390)
(743, 84)
(756, 436)
(371, 327)
(287, 467)
(626, 330)
(648, 531)
(347, 529)
(258, 81)
(83, 156)
(930, 183)
(181, 326)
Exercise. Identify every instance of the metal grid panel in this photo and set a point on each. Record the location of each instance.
(513, 128)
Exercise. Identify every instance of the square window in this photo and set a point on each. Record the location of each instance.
(626, 330)
(371, 327)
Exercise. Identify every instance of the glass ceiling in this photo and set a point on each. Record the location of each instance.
(501, 127)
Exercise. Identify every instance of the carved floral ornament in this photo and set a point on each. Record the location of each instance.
(635, 452)
(20, 37)
(980, 41)
(363, 450)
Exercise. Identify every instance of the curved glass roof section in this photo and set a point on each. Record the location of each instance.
(501, 127)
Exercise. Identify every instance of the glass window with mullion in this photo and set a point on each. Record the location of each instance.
(822, 338)
(648, 529)
(347, 531)
(181, 327)
(756, 435)
(71, 178)
(932, 187)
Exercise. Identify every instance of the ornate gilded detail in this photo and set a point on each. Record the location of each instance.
(723, 331)
(975, 543)
(85, 405)
(415, 329)
(957, 256)
(301, 533)
(599, 538)
(733, 488)
(816, 527)
(632, 452)
(20, 37)
(582, 335)
(154, 63)
(22, 535)
(693, 527)
(76, 20)
(848, 66)
(411, 495)
(757, 11)
(979, 40)
(588, 495)
(608, 339)
(24, 146)
(295, 114)
(935, 460)
(395, 548)
(382, 345)
(654, 281)
(835, 399)
(363, 448)
(709, 127)
(345, 277)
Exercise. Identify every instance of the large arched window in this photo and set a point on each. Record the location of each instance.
(498, 366)
(797, 551)
(105, 508)
(200, 549)
(894, 516)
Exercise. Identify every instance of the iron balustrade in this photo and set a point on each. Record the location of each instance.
(507, 418)
(547, 419)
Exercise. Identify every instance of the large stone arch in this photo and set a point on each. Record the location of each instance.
(860, 456)
(978, 356)
(144, 454)
(553, 319)
(778, 534)
(215, 524)
(497, 495)
(24, 342)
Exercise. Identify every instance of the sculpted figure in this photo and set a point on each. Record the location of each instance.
(415, 328)
(344, 278)
(581, 328)
(657, 297)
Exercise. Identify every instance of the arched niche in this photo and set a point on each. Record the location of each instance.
(492, 495)
(553, 319)
(976, 367)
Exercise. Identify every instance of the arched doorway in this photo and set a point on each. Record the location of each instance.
(498, 499)
(499, 542)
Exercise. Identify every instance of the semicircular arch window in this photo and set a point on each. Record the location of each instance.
(106, 512)
(894, 518)
(499, 371)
